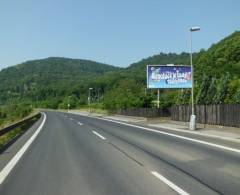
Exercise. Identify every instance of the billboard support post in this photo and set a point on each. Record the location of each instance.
(158, 98)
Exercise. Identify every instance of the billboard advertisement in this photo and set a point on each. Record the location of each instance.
(167, 77)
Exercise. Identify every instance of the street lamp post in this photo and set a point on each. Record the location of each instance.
(89, 99)
(192, 125)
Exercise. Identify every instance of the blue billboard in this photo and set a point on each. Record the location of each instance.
(163, 76)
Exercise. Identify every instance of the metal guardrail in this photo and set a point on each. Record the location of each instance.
(18, 124)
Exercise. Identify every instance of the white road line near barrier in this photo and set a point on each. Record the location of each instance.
(7, 169)
(171, 134)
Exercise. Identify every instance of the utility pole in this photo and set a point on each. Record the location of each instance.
(192, 125)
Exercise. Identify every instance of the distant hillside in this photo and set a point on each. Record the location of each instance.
(54, 82)
(48, 77)
(217, 78)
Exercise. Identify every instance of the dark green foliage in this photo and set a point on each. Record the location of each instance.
(166, 98)
(212, 90)
(233, 95)
(220, 58)
(203, 90)
(183, 97)
(13, 112)
(236, 97)
(2, 115)
(127, 93)
(222, 89)
(72, 101)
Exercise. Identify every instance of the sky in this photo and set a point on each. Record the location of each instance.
(116, 32)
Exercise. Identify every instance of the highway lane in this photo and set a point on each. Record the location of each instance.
(80, 155)
(215, 168)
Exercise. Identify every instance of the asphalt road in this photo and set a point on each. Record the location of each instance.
(76, 154)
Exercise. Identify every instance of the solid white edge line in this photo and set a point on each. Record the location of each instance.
(169, 183)
(96, 133)
(172, 135)
(197, 133)
(236, 140)
(179, 136)
(7, 169)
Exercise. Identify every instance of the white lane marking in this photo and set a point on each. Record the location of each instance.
(99, 135)
(169, 183)
(71, 119)
(173, 135)
(80, 123)
(7, 169)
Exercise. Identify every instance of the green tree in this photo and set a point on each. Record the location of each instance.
(183, 97)
(209, 99)
(236, 97)
(203, 90)
(222, 89)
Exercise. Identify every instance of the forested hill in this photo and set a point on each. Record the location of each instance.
(217, 78)
(221, 58)
(53, 82)
(56, 66)
(46, 77)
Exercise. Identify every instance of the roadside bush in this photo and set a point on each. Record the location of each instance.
(2, 115)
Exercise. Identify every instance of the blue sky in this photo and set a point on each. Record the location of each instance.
(110, 31)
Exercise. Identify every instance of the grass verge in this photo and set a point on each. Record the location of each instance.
(16, 132)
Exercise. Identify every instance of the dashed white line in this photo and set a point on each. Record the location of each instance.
(80, 123)
(169, 183)
(97, 134)
(71, 119)
(7, 169)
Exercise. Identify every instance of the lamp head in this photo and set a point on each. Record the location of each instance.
(195, 28)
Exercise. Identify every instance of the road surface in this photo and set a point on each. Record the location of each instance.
(75, 154)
